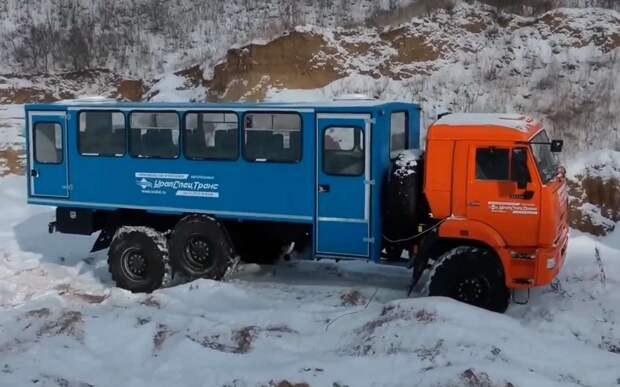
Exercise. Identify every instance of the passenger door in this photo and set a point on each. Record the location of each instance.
(494, 199)
(343, 189)
(47, 144)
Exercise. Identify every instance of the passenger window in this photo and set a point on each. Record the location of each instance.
(492, 164)
(48, 143)
(398, 131)
(154, 134)
(102, 133)
(343, 151)
(211, 135)
(272, 137)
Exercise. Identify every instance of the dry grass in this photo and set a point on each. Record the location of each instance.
(12, 162)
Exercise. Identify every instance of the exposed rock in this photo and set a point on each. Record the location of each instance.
(131, 89)
(297, 61)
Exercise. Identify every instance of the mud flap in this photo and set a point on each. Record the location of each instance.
(420, 261)
(104, 239)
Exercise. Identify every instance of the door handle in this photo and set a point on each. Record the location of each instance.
(324, 187)
(473, 203)
(34, 173)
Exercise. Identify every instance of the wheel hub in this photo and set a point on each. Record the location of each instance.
(470, 290)
(198, 251)
(134, 264)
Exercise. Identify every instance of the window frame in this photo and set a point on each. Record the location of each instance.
(301, 136)
(363, 172)
(509, 153)
(184, 132)
(129, 128)
(406, 132)
(125, 135)
(62, 143)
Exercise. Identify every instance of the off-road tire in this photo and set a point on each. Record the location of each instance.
(138, 259)
(201, 248)
(473, 275)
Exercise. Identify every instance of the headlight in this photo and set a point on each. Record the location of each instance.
(550, 263)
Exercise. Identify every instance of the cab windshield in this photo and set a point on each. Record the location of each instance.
(545, 160)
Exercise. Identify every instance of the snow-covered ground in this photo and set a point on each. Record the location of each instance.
(63, 323)
(11, 122)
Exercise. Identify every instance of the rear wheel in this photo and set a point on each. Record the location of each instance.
(472, 275)
(200, 247)
(137, 259)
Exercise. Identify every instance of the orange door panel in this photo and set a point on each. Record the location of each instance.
(493, 199)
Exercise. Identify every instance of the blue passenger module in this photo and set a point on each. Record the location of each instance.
(319, 164)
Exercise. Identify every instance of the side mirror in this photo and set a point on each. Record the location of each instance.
(519, 171)
(557, 145)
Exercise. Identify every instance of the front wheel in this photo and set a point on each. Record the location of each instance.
(472, 275)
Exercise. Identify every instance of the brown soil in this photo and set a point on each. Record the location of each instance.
(352, 298)
(25, 95)
(11, 162)
(411, 48)
(297, 61)
(192, 75)
(475, 27)
(130, 90)
(286, 383)
(604, 194)
(69, 323)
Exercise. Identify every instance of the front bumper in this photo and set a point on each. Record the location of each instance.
(549, 261)
(537, 269)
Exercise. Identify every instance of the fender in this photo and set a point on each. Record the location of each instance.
(467, 229)
(459, 228)
(453, 232)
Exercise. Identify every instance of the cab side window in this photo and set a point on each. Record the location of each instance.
(492, 164)
(398, 131)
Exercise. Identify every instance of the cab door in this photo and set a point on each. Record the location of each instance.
(342, 185)
(495, 200)
(47, 144)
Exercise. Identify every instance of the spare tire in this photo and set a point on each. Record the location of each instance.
(401, 197)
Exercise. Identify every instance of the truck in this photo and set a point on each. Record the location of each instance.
(192, 188)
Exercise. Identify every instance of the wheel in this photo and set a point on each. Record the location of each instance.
(200, 247)
(472, 275)
(138, 259)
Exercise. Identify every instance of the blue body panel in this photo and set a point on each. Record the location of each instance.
(238, 189)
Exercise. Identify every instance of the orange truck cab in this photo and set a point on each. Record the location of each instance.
(498, 200)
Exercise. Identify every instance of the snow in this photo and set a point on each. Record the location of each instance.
(171, 88)
(604, 163)
(513, 121)
(11, 126)
(406, 161)
(62, 321)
